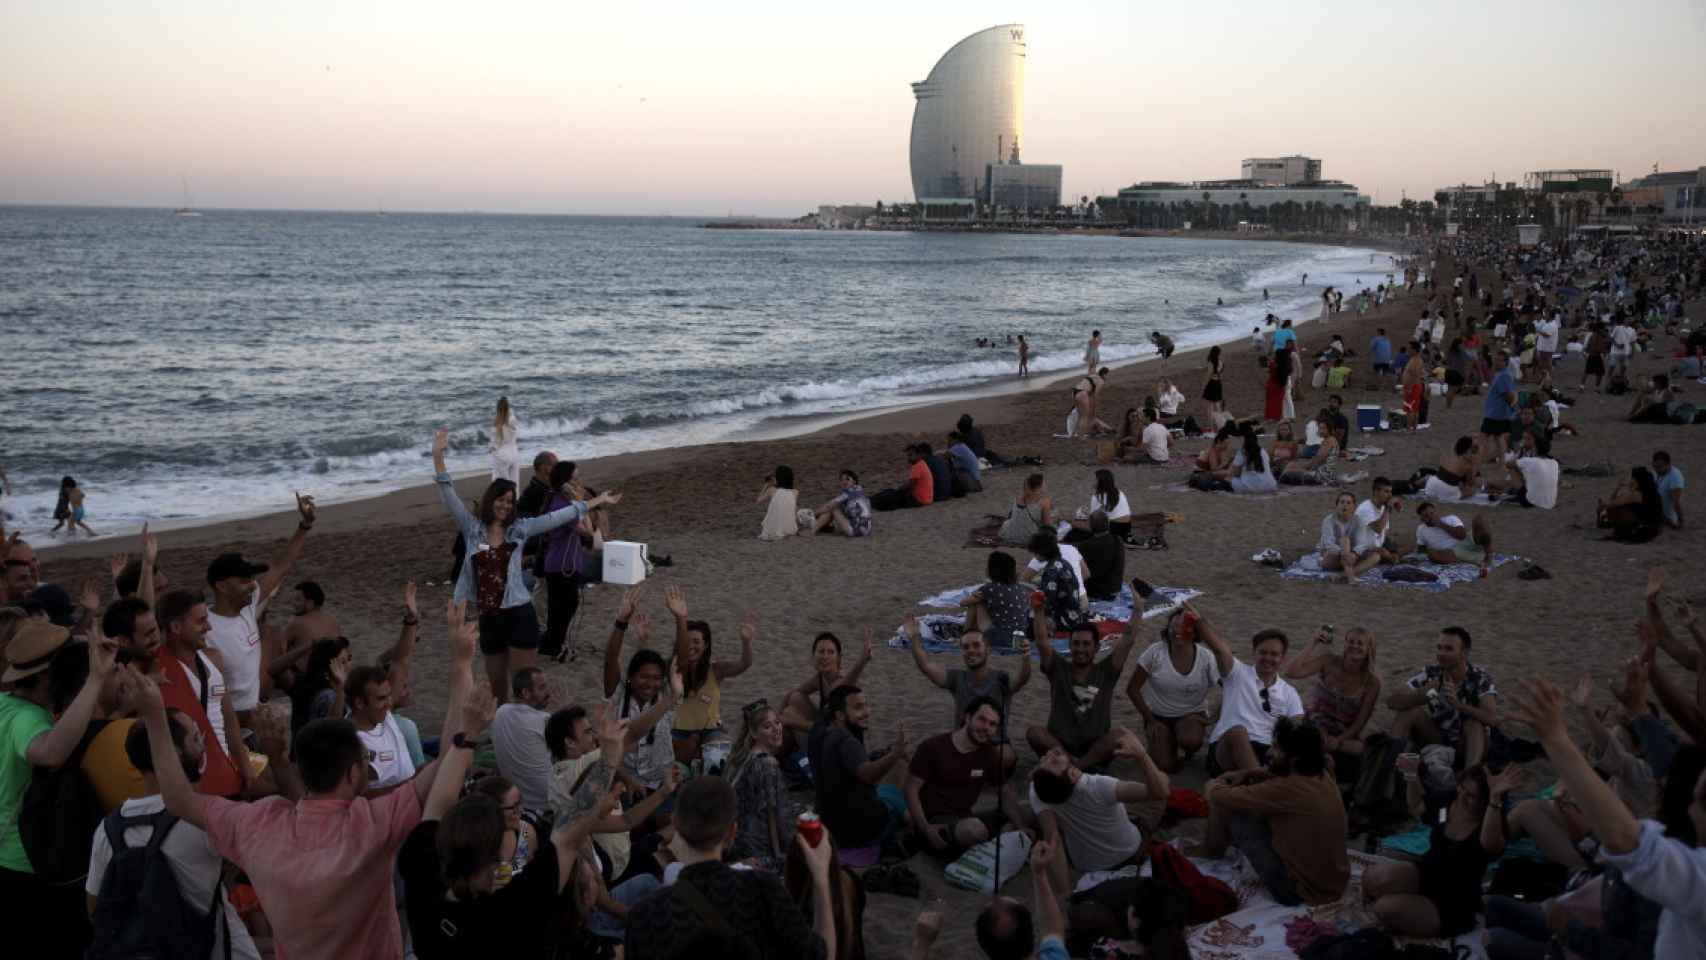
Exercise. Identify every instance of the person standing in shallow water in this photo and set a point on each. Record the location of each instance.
(1093, 352)
(1024, 357)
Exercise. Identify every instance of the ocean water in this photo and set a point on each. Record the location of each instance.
(186, 368)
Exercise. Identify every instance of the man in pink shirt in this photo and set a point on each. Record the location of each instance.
(322, 867)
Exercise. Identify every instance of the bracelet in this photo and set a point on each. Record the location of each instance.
(410, 620)
(621, 625)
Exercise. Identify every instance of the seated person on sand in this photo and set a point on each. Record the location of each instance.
(1440, 895)
(1084, 392)
(861, 804)
(1144, 438)
(968, 431)
(1219, 453)
(1168, 399)
(1451, 702)
(1634, 513)
(1317, 462)
(946, 777)
(941, 476)
(1081, 694)
(1341, 534)
(799, 710)
(1376, 516)
(1170, 688)
(965, 472)
(1107, 499)
(1251, 471)
(1653, 404)
(919, 489)
(1338, 424)
(1088, 811)
(1346, 692)
(1443, 538)
(1286, 817)
(1032, 511)
(1285, 447)
(978, 680)
(849, 511)
(781, 518)
(1104, 559)
(1251, 699)
(1000, 610)
(1058, 571)
(1532, 477)
(1458, 476)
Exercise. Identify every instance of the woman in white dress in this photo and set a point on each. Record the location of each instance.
(506, 454)
(781, 517)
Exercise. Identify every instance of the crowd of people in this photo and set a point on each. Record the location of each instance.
(180, 778)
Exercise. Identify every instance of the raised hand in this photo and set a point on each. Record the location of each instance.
(1042, 854)
(150, 547)
(642, 627)
(870, 644)
(103, 654)
(675, 599)
(607, 498)
(440, 441)
(305, 507)
(409, 600)
(478, 709)
(1542, 708)
(749, 628)
(1655, 583)
(1130, 745)
(630, 603)
(117, 563)
(91, 599)
(464, 634)
(910, 625)
(1582, 694)
(1501, 783)
(272, 731)
(1633, 696)
(677, 682)
(612, 732)
(339, 668)
(1684, 610)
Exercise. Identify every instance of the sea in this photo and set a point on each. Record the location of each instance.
(185, 369)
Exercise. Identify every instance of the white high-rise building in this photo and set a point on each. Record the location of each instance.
(970, 114)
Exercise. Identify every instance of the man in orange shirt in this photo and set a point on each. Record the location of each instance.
(194, 682)
(918, 491)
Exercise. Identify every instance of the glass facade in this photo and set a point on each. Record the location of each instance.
(970, 113)
(1022, 186)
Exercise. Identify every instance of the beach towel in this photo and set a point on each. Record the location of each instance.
(1285, 490)
(941, 631)
(1446, 575)
(1258, 928)
(1439, 491)
(1356, 454)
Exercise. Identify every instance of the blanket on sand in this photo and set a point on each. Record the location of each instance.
(942, 631)
(1308, 567)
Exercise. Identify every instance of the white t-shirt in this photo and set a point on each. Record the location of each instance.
(1369, 538)
(1437, 538)
(1622, 340)
(1073, 559)
(390, 758)
(1168, 693)
(1546, 340)
(1155, 442)
(194, 863)
(1256, 478)
(1241, 704)
(518, 739)
(1170, 400)
(1098, 832)
(1539, 480)
(216, 694)
(1121, 509)
(238, 640)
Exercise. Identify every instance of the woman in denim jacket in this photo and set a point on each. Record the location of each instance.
(492, 575)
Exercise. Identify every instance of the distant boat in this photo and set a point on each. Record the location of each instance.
(186, 210)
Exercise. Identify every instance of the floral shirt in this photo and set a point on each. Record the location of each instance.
(1477, 684)
(1060, 595)
(857, 507)
(761, 792)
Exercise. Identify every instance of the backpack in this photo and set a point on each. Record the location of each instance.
(58, 816)
(141, 913)
(1210, 898)
(1379, 793)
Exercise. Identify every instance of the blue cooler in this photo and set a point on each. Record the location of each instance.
(1368, 416)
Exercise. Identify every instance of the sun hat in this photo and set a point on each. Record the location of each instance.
(33, 648)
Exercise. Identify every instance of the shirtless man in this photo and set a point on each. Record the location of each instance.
(310, 623)
(1459, 467)
(1024, 357)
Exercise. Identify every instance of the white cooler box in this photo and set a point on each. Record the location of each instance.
(624, 562)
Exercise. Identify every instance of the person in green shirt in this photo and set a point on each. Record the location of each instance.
(30, 738)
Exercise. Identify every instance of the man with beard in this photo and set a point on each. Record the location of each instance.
(194, 863)
(1451, 702)
(1081, 694)
(977, 681)
(193, 682)
(1088, 811)
(858, 813)
(949, 771)
(1279, 817)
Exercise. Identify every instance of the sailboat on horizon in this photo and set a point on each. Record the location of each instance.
(187, 210)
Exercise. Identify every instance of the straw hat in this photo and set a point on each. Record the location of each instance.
(33, 648)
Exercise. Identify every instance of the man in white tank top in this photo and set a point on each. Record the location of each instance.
(368, 691)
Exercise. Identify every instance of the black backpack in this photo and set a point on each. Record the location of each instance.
(141, 913)
(58, 816)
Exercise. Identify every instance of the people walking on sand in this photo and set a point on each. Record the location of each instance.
(506, 454)
(1093, 352)
(1024, 357)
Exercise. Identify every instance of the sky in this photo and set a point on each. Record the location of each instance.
(772, 109)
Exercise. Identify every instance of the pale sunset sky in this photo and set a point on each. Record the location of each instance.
(774, 108)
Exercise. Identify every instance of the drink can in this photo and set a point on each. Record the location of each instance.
(810, 827)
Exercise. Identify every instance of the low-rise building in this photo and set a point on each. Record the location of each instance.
(1282, 171)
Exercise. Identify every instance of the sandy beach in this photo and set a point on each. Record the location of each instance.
(695, 504)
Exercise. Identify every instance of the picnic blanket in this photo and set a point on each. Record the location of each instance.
(1257, 928)
(941, 631)
(1355, 454)
(1285, 490)
(1309, 568)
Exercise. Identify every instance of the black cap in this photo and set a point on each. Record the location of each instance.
(52, 600)
(228, 565)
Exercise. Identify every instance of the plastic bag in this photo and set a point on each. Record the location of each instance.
(975, 868)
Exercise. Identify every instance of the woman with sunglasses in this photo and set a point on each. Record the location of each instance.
(765, 823)
(520, 840)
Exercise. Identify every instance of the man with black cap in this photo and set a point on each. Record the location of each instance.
(31, 738)
(234, 616)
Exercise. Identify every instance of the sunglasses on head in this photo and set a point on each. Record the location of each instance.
(755, 706)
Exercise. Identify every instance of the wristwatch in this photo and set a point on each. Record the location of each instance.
(461, 742)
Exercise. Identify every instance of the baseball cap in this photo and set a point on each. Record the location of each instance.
(51, 600)
(228, 565)
(33, 648)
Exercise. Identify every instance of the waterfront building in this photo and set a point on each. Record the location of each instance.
(1568, 181)
(1022, 186)
(970, 114)
(1282, 171)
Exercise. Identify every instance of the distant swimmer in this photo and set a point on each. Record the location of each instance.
(1304, 280)
(1264, 294)
(1024, 357)
(1093, 352)
(1163, 344)
(1219, 302)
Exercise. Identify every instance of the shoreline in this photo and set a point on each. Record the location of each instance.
(989, 402)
